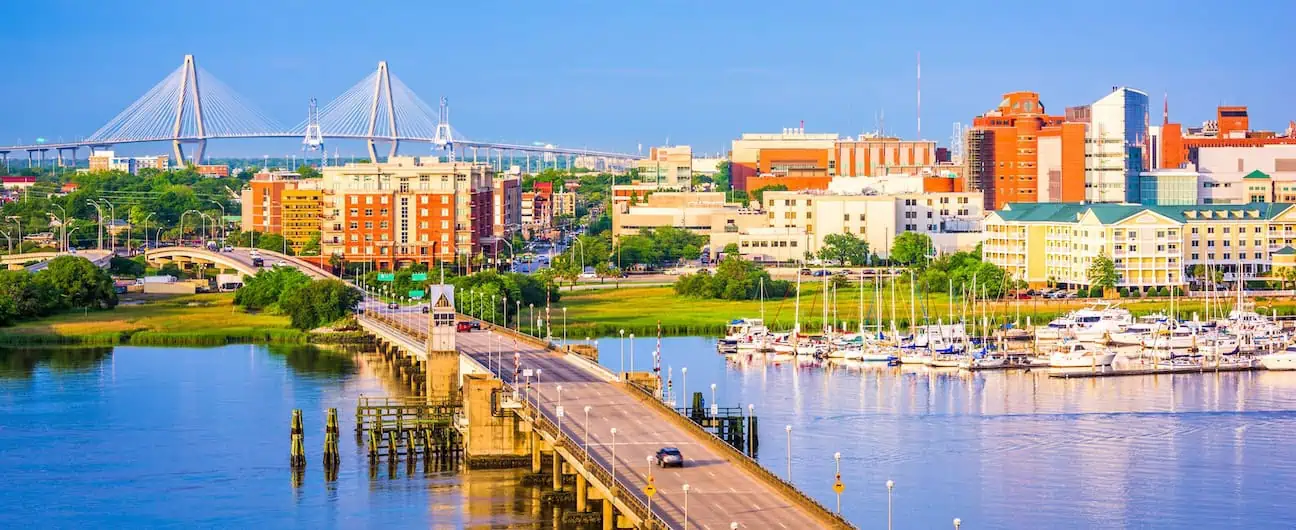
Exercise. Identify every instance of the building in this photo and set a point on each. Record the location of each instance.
(101, 160)
(870, 154)
(707, 165)
(506, 197)
(1168, 187)
(408, 210)
(17, 183)
(791, 158)
(212, 170)
(1224, 169)
(535, 211)
(303, 207)
(667, 167)
(263, 201)
(1018, 153)
(1151, 246)
(1115, 144)
(564, 203)
(686, 209)
(952, 220)
(1177, 146)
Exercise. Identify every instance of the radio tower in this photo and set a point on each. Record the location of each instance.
(314, 140)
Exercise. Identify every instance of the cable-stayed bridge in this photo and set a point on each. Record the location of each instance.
(191, 106)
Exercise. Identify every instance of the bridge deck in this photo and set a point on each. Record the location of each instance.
(720, 492)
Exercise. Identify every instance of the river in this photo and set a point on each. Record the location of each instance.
(185, 437)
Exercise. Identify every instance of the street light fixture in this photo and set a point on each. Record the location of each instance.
(890, 484)
(686, 488)
(632, 352)
(621, 375)
(564, 325)
(614, 456)
(788, 428)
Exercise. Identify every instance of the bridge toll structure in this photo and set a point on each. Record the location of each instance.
(331, 457)
(297, 452)
(442, 368)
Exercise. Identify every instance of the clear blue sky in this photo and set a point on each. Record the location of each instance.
(616, 74)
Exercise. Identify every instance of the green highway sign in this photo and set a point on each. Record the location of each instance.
(419, 277)
(416, 294)
(386, 277)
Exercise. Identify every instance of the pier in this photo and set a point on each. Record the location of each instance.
(591, 432)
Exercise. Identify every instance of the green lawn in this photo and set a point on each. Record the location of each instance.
(199, 319)
(639, 309)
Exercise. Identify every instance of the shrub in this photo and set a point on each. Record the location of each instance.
(1124, 292)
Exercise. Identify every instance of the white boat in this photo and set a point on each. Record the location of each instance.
(1179, 363)
(992, 360)
(1097, 321)
(1179, 338)
(947, 360)
(1285, 360)
(1136, 332)
(1057, 329)
(914, 356)
(1078, 355)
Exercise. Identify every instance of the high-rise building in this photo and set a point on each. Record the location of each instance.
(1117, 140)
(791, 158)
(506, 200)
(1018, 153)
(864, 157)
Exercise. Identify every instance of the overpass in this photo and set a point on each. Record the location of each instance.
(41, 259)
(239, 259)
(607, 449)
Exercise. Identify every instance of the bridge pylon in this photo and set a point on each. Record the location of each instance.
(189, 94)
(382, 106)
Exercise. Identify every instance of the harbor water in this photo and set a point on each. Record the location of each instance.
(198, 437)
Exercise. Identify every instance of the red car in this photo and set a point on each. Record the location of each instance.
(463, 327)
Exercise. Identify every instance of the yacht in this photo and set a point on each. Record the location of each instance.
(1099, 320)
(947, 360)
(1284, 360)
(1059, 328)
(1140, 329)
(744, 334)
(1179, 338)
(1078, 355)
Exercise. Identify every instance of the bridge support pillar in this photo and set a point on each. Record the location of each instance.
(609, 515)
(557, 471)
(493, 439)
(535, 451)
(582, 493)
(442, 376)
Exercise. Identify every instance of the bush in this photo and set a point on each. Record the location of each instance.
(1124, 292)
(1162, 291)
(266, 288)
(317, 303)
(734, 279)
(1096, 292)
(1178, 291)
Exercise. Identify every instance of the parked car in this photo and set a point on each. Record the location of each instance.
(805, 272)
(669, 456)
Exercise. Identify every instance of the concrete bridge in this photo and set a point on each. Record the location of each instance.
(606, 448)
(239, 259)
(41, 259)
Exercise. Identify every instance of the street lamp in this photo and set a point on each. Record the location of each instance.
(684, 388)
(63, 222)
(715, 407)
(517, 317)
(613, 457)
(632, 352)
(788, 428)
(890, 484)
(98, 213)
(531, 317)
(837, 480)
(586, 440)
(621, 375)
(112, 219)
(564, 325)
(686, 488)
(957, 523)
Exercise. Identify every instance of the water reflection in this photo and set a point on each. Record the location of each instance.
(21, 363)
(307, 359)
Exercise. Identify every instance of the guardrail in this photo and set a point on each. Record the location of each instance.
(752, 466)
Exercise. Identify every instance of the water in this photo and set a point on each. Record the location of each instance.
(193, 437)
(1013, 449)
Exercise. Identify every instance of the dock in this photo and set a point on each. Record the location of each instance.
(1151, 371)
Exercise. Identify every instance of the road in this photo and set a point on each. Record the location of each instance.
(97, 257)
(719, 493)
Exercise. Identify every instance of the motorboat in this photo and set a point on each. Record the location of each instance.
(1080, 355)
(1284, 360)
(744, 334)
(1137, 331)
(1179, 338)
(1058, 329)
(914, 356)
(1096, 322)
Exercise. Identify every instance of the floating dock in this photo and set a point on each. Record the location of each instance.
(1150, 371)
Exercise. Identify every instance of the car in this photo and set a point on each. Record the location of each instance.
(806, 272)
(227, 248)
(476, 324)
(426, 310)
(821, 272)
(669, 456)
(393, 305)
(257, 262)
(588, 276)
(463, 327)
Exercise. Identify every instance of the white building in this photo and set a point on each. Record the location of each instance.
(952, 220)
(1223, 168)
(1114, 146)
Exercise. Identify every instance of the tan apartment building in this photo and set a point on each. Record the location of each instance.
(667, 167)
(952, 220)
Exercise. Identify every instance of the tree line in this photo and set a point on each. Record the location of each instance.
(66, 283)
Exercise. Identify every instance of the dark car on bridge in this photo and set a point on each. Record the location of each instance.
(669, 456)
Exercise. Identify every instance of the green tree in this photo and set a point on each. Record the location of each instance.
(759, 194)
(264, 289)
(845, 249)
(603, 270)
(312, 245)
(318, 302)
(126, 266)
(24, 297)
(1102, 272)
(722, 179)
(909, 248)
(79, 283)
(308, 172)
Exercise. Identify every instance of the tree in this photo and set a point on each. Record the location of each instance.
(722, 178)
(845, 249)
(734, 279)
(79, 283)
(308, 172)
(264, 289)
(126, 266)
(25, 298)
(335, 262)
(759, 194)
(602, 270)
(318, 302)
(909, 248)
(312, 245)
(1102, 272)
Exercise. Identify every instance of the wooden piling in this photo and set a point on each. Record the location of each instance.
(297, 453)
(331, 457)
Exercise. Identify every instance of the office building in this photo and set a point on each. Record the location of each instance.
(263, 201)
(101, 160)
(1168, 187)
(791, 158)
(667, 167)
(1115, 146)
(1178, 146)
(506, 197)
(1151, 246)
(873, 155)
(1018, 153)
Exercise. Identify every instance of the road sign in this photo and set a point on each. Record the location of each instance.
(560, 411)
(386, 277)
(650, 490)
(527, 373)
(417, 294)
(838, 486)
(419, 277)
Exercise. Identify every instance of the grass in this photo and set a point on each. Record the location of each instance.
(204, 319)
(638, 310)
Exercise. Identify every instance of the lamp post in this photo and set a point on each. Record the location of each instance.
(564, 325)
(586, 439)
(686, 488)
(715, 407)
(63, 222)
(890, 484)
(613, 457)
(146, 220)
(531, 317)
(517, 316)
(684, 387)
(621, 374)
(98, 213)
(632, 352)
(837, 460)
(222, 223)
(112, 219)
(788, 428)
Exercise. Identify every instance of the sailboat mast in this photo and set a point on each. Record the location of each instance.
(861, 303)
(913, 316)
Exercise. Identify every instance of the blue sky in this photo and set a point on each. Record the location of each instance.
(614, 75)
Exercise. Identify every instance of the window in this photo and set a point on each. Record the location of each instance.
(369, 225)
(383, 225)
(445, 200)
(368, 212)
(354, 212)
(383, 212)
(354, 225)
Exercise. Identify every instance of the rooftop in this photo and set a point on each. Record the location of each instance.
(1061, 212)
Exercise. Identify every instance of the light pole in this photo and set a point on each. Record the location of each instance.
(112, 220)
(621, 375)
(686, 488)
(67, 243)
(222, 224)
(560, 417)
(788, 428)
(890, 484)
(564, 325)
(63, 222)
(650, 481)
(632, 352)
(957, 523)
(586, 439)
(517, 316)
(531, 317)
(837, 460)
(613, 457)
(715, 407)
(684, 387)
(146, 220)
(98, 213)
